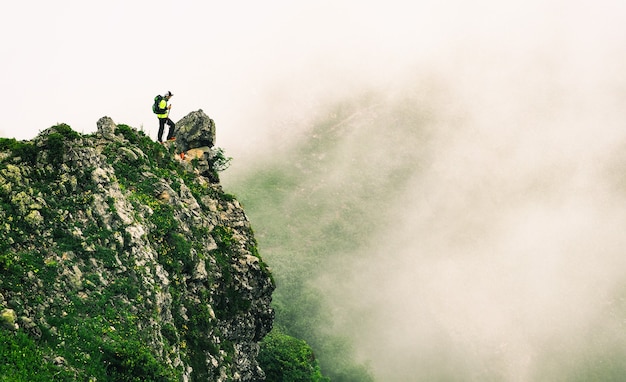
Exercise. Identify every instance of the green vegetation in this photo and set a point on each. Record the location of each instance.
(220, 161)
(290, 236)
(23, 359)
(287, 359)
(22, 151)
(228, 301)
(80, 270)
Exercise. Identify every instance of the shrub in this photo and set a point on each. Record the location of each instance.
(132, 361)
(54, 144)
(284, 359)
(220, 162)
(132, 135)
(24, 150)
(66, 132)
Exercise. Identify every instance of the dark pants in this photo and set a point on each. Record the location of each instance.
(162, 122)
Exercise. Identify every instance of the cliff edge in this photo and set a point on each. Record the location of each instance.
(122, 259)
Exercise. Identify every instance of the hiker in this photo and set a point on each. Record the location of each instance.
(162, 110)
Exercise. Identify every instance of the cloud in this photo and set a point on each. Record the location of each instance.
(504, 258)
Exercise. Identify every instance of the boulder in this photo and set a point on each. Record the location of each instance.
(8, 318)
(106, 127)
(195, 130)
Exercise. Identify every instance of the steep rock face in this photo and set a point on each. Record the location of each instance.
(122, 260)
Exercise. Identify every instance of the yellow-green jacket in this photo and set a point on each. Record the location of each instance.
(163, 106)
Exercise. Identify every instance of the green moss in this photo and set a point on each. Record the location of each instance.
(228, 300)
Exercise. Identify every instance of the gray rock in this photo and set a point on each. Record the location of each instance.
(30, 326)
(195, 130)
(8, 318)
(59, 361)
(106, 127)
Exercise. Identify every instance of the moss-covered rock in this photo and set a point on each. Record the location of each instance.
(126, 263)
(8, 318)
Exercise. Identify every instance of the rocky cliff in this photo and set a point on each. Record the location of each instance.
(122, 259)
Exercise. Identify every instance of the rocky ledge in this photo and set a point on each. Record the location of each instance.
(124, 258)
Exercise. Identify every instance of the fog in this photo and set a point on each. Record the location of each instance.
(501, 255)
(504, 258)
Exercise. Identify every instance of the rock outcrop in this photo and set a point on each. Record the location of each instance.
(195, 130)
(195, 139)
(121, 260)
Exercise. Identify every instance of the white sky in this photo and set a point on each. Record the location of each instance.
(249, 64)
(76, 61)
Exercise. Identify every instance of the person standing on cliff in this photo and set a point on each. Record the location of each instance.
(162, 110)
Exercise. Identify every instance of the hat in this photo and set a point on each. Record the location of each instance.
(168, 94)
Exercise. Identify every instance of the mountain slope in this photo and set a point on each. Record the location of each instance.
(120, 262)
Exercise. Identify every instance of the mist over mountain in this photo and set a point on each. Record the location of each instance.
(463, 222)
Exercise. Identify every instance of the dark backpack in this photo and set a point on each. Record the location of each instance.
(155, 106)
